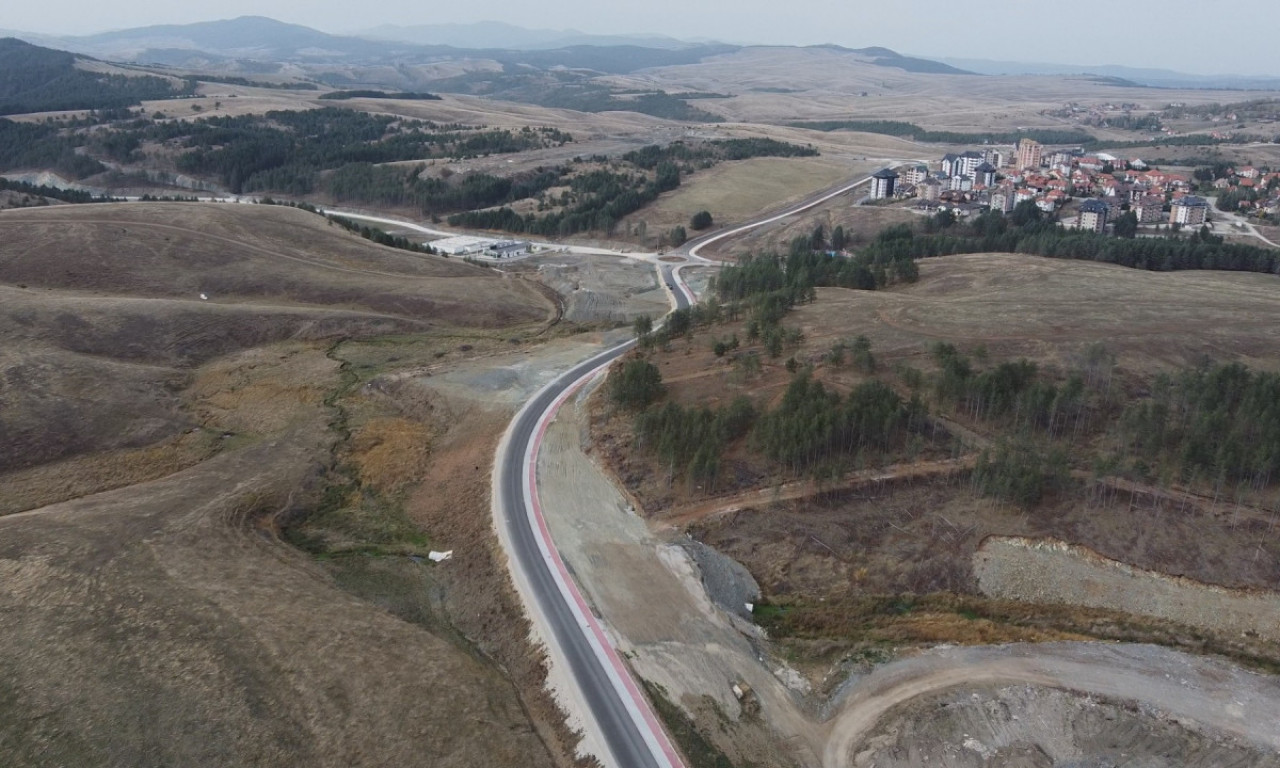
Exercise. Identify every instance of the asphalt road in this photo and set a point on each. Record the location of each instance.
(625, 722)
(623, 718)
(818, 198)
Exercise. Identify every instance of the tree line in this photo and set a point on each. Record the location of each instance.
(283, 151)
(368, 94)
(36, 79)
(596, 200)
(813, 430)
(234, 80)
(1214, 422)
(913, 131)
(286, 150)
(1013, 392)
(1027, 231)
(717, 150)
(54, 193)
(379, 236)
(410, 187)
(589, 98)
(804, 269)
(41, 146)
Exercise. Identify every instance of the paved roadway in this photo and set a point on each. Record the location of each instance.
(818, 198)
(620, 714)
(623, 719)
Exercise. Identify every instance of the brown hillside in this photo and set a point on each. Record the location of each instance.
(156, 446)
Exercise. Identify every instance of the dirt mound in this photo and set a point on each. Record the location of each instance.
(1049, 571)
(1032, 727)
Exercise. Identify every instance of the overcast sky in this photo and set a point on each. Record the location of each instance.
(1201, 36)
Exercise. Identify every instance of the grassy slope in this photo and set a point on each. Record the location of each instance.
(164, 622)
(111, 294)
(918, 536)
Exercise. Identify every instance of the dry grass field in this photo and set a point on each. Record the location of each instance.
(861, 224)
(1049, 310)
(825, 84)
(105, 316)
(157, 445)
(913, 528)
(737, 191)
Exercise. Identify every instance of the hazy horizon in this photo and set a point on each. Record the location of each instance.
(1171, 34)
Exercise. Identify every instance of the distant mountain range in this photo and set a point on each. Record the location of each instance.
(1154, 78)
(496, 34)
(883, 57)
(250, 43)
(396, 56)
(248, 37)
(240, 43)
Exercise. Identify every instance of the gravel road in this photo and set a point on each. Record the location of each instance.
(1205, 692)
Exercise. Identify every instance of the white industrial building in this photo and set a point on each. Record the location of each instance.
(462, 245)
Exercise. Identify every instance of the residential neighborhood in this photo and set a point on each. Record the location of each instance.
(1082, 190)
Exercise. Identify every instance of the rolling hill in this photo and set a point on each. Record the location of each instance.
(36, 79)
(173, 396)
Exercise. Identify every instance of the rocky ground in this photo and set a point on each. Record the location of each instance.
(1029, 726)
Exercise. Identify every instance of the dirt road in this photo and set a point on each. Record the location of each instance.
(1209, 693)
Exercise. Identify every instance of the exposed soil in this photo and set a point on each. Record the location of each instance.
(858, 569)
(893, 538)
(1202, 706)
(1028, 726)
(650, 595)
(1049, 571)
(598, 289)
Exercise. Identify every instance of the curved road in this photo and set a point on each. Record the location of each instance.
(620, 715)
(818, 198)
(1213, 693)
(617, 713)
(623, 722)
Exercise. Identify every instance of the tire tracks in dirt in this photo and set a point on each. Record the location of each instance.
(1207, 692)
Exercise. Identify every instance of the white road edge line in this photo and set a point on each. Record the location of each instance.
(693, 252)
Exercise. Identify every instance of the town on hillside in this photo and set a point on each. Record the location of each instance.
(1090, 191)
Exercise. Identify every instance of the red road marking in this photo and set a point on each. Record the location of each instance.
(544, 532)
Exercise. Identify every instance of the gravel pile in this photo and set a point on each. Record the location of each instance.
(728, 583)
(1031, 727)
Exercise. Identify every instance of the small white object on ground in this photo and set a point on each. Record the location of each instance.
(440, 557)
